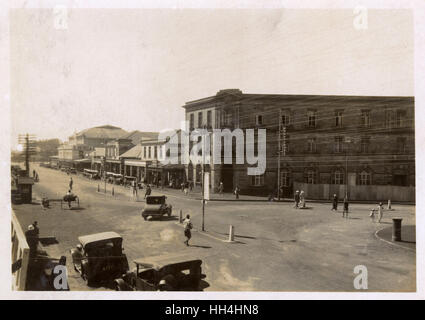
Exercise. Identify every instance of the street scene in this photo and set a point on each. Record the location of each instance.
(276, 247)
(281, 159)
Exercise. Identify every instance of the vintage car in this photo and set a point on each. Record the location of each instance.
(156, 207)
(91, 174)
(171, 272)
(72, 170)
(100, 257)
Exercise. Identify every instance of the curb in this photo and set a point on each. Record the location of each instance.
(391, 242)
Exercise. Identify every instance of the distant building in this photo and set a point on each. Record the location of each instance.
(330, 141)
(144, 161)
(81, 144)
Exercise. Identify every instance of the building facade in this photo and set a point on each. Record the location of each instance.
(330, 140)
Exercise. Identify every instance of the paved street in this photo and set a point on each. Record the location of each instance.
(278, 248)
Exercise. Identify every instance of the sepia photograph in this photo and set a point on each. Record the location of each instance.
(179, 147)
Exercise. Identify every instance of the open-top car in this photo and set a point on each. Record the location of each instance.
(156, 207)
(171, 272)
(100, 257)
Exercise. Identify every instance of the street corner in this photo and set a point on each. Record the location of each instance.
(405, 240)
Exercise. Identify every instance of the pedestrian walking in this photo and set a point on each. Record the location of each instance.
(134, 187)
(302, 199)
(190, 185)
(148, 190)
(335, 203)
(237, 190)
(296, 199)
(281, 192)
(187, 227)
(221, 188)
(186, 188)
(380, 212)
(71, 182)
(345, 210)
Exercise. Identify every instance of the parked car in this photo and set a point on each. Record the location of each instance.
(91, 174)
(100, 257)
(156, 207)
(171, 272)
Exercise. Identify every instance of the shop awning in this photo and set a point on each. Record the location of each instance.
(83, 160)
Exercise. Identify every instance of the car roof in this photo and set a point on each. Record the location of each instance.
(160, 261)
(96, 237)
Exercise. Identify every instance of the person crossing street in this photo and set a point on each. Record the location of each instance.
(187, 227)
(380, 212)
(345, 209)
(296, 199)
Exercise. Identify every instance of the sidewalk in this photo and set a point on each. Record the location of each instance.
(125, 193)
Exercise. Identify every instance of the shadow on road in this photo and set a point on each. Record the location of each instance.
(198, 246)
(164, 218)
(76, 208)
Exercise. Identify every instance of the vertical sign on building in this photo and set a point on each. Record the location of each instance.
(207, 186)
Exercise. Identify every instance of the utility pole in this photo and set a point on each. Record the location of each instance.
(278, 155)
(203, 182)
(281, 150)
(28, 144)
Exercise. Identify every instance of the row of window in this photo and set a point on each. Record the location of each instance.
(340, 142)
(393, 118)
(200, 123)
(148, 151)
(365, 178)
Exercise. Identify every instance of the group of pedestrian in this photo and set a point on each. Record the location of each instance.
(380, 210)
(299, 199)
(344, 205)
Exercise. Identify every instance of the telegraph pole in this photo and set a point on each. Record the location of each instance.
(278, 155)
(203, 182)
(281, 150)
(28, 143)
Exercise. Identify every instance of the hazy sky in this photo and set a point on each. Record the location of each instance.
(135, 68)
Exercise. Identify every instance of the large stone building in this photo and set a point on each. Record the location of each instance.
(81, 144)
(330, 140)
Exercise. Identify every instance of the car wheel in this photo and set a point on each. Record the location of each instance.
(86, 279)
(145, 218)
(118, 287)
